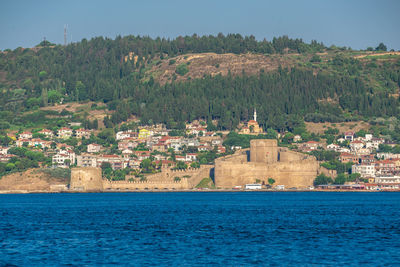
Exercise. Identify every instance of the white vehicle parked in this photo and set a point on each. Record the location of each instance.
(280, 187)
(253, 186)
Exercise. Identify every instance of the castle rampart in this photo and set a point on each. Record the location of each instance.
(286, 167)
(89, 179)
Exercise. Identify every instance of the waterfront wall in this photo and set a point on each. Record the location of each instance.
(89, 179)
(286, 167)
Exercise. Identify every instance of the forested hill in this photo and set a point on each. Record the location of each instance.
(211, 77)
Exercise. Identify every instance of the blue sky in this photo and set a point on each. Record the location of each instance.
(357, 24)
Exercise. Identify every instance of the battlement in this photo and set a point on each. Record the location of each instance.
(147, 182)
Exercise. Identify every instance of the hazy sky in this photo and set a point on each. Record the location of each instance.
(357, 24)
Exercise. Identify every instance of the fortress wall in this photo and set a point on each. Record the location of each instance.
(86, 179)
(164, 180)
(330, 173)
(228, 175)
(203, 172)
(300, 173)
(143, 185)
(264, 150)
(289, 156)
(239, 157)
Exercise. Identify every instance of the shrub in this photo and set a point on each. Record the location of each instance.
(182, 69)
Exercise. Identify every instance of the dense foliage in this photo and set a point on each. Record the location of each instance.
(98, 70)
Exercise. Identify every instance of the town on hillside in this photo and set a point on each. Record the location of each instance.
(356, 160)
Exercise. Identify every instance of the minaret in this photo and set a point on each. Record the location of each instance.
(255, 114)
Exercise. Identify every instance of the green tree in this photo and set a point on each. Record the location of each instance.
(146, 166)
(322, 179)
(180, 165)
(341, 178)
(33, 102)
(80, 91)
(28, 84)
(182, 69)
(271, 134)
(42, 75)
(54, 96)
(10, 166)
(271, 181)
(195, 165)
(381, 47)
(106, 169)
(315, 58)
(44, 97)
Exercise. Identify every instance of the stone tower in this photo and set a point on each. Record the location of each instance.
(255, 114)
(264, 151)
(86, 179)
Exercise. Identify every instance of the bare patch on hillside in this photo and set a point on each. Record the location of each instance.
(84, 109)
(320, 128)
(214, 64)
(374, 54)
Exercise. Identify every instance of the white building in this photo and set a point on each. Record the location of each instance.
(387, 179)
(60, 159)
(387, 155)
(297, 138)
(86, 160)
(122, 135)
(83, 133)
(93, 148)
(333, 147)
(4, 150)
(64, 133)
(356, 145)
(366, 170)
(191, 156)
(368, 137)
(47, 133)
(349, 136)
(25, 135)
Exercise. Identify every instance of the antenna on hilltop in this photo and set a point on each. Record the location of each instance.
(65, 34)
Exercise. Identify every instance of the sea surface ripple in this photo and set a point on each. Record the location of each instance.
(204, 228)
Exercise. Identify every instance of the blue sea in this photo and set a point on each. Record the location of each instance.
(201, 229)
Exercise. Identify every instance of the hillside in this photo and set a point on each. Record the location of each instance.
(217, 64)
(199, 65)
(219, 78)
(83, 110)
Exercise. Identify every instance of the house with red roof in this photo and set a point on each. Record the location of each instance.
(83, 133)
(64, 133)
(25, 135)
(348, 157)
(47, 133)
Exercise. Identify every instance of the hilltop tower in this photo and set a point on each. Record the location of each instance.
(65, 35)
(255, 114)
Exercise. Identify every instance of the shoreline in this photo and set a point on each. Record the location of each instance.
(5, 192)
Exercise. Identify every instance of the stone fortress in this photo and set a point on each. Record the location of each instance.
(89, 179)
(263, 160)
(266, 160)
